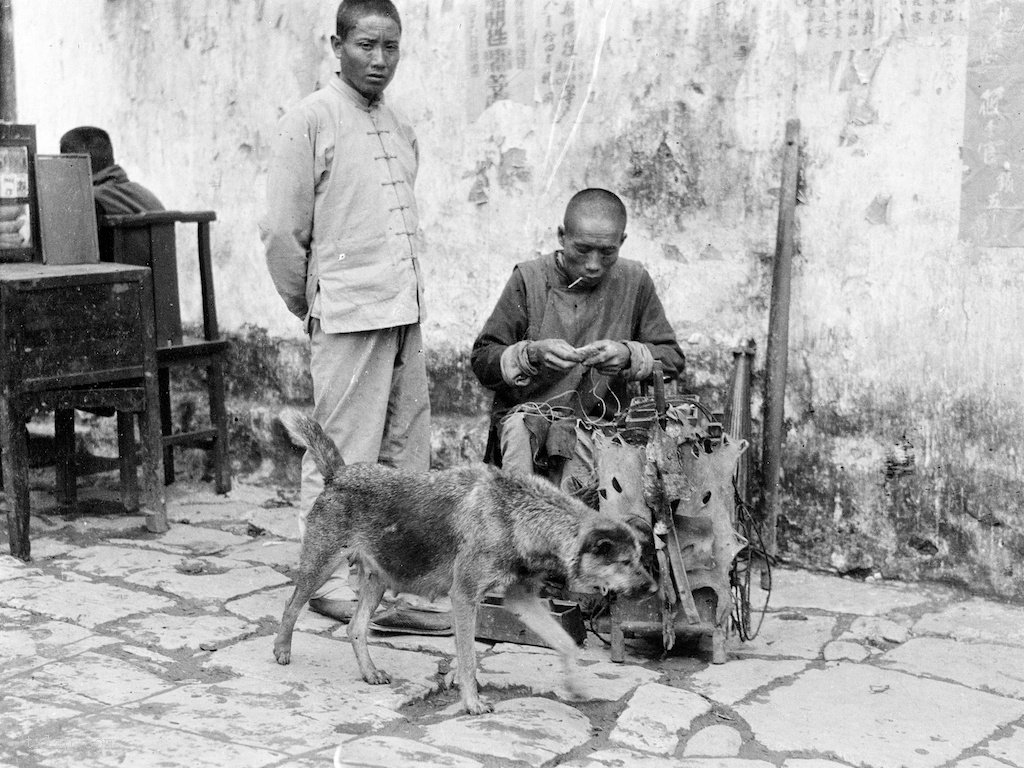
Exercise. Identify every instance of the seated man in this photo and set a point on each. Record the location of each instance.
(570, 329)
(113, 192)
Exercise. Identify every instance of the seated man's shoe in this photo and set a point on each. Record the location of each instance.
(339, 610)
(404, 620)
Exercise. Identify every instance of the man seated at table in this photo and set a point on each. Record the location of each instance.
(113, 192)
(570, 330)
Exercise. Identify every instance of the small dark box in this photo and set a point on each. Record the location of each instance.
(495, 623)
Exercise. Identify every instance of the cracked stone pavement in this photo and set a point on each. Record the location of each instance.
(123, 648)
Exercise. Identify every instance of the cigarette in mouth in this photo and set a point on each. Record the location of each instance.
(575, 282)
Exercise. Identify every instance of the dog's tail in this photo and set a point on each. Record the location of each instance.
(307, 433)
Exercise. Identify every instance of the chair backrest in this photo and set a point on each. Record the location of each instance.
(148, 240)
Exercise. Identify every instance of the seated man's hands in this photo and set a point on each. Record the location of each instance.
(607, 356)
(556, 354)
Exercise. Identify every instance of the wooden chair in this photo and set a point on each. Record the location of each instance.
(149, 239)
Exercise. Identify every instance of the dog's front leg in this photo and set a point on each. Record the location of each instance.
(464, 621)
(522, 600)
(371, 590)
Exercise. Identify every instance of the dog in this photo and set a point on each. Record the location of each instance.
(462, 532)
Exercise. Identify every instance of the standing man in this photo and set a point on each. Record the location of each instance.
(341, 241)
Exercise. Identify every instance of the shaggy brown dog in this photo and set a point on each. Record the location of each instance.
(460, 532)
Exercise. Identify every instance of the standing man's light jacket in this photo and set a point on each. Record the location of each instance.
(349, 165)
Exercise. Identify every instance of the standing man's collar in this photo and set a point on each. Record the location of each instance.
(353, 95)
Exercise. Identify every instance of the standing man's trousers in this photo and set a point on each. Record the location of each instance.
(370, 396)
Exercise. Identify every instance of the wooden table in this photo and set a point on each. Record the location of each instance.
(74, 333)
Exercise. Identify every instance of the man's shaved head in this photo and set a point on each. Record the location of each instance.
(595, 203)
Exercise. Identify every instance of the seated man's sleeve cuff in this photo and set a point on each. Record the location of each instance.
(515, 365)
(641, 361)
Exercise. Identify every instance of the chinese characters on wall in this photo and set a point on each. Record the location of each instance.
(839, 25)
(923, 18)
(521, 50)
(992, 193)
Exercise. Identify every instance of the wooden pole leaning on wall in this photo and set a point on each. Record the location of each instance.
(777, 353)
(8, 98)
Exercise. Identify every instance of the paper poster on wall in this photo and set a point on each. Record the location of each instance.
(933, 18)
(839, 25)
(522, 51)
(499, 53)
(559, 69)
(992, 190)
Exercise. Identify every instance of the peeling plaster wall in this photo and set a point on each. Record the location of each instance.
(904, 405)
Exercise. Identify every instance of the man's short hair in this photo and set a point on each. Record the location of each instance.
(92, 141)
(351, 11)
(596, 198)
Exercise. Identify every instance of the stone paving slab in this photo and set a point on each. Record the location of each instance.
(327, 667)
(192, 632)
(278, 522)
(89, 678)
(530, 730)
(116, 742)
(880, 630)
(976, 619)
(210, 587)
(263, 715)
(13, 568)
(46, 548)
(624, 758)
(272, 552)
(714, 741)
(107, 523)
(79, 599)
(394, 752)
(790, 634)
(802, 589)
(812, 762)
(194, 539)
(111, 562)
(25, 645)
(427, 643)
(735, 680)
(983, 666)
(19, 716)
(883, 718)
(600, 680)
(845, 650)
(655, 716)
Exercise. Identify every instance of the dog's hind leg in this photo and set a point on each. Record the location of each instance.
(522, 600)
(312, 575)
(371, 590)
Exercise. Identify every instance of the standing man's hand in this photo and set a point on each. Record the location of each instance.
(607, 356)
(556, 354)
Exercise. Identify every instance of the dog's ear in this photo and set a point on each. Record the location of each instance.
(602, 542)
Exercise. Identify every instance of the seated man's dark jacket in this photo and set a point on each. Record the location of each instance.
(115, 194)
(537, 304)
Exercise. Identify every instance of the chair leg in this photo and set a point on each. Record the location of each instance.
(219, 420)
(127, 460)
(150, 443)
(166, 422)
(14, 454)
(66, 489)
